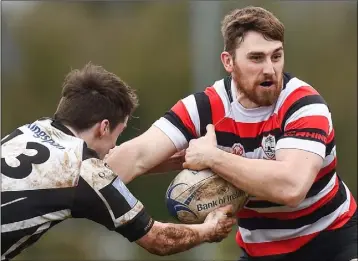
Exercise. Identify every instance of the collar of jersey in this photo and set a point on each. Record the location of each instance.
(58, 125)
(252, 112)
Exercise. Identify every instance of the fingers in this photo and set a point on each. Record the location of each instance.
(229, 222)
(232, 222)
(228, 219)
(181, 153)
(192, 166)
(185, 165)
(223, 227)
(228, 229)
(228, 210)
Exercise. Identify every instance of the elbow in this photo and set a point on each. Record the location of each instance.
(123, 160)
(118, 153)
(294, 197)
(157, 250)
(295, 188)
(136, 153)
(162, 252)
(293, 201)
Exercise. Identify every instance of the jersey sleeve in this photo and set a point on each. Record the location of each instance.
(103, 198)
(306, 122)
(186, 120)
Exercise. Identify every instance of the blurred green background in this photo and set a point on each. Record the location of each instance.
(165, 50)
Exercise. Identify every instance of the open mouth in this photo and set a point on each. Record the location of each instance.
(266, 83)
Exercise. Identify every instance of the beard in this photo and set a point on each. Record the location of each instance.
(255, 92)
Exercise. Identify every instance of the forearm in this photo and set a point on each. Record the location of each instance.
(168, 239)
(137, 156)
(266, 179)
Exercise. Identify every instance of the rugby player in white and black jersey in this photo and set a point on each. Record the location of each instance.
(52, 170)
(268, 133)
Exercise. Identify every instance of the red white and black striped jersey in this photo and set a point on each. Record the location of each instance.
(300, 119)
(49, 175)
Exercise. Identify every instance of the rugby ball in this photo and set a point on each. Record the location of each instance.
(192, 195)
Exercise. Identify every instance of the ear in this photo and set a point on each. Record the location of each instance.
(103, 128)
(228, 61)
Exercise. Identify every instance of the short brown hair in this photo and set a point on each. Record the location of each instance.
(93, 94)
(239, 21)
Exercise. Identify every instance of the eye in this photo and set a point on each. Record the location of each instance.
(256, 58)
(276, 57)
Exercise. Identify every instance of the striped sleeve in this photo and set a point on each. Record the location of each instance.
(306, 122)
(186, 120)
(102, 197)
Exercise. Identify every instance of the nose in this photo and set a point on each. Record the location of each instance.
(268, 68)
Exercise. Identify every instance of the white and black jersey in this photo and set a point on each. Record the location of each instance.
(49, 175)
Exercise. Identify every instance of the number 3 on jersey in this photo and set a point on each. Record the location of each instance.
(25, 167)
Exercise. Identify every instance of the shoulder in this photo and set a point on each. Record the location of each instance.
(219, 91)
(296, 94)
(201, 104)
(94, 170)
(57, 157)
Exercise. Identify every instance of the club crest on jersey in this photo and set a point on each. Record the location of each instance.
(238, 149)
(268, 145)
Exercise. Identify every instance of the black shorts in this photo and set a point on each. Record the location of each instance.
(332, 245)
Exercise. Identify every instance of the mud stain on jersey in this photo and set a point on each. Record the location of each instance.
(130, 215)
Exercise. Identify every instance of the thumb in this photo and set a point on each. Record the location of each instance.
(228, 210)
(210, 130)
